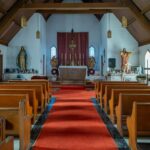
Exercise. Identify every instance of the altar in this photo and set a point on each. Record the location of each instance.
(72, 73)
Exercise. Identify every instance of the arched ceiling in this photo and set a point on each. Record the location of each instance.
(137, 13)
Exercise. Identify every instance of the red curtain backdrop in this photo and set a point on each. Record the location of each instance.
(76, 52)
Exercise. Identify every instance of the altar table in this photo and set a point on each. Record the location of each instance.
(72, 73)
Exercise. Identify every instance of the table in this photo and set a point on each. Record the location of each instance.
(72, 73)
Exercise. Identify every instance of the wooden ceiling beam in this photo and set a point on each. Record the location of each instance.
(3, 42)
(137, 14)
(146, 9)
(17, 23)
(74, 6)
(144, 42)
(132, 20)
(8, 18)
(3, 11)
(91, 11)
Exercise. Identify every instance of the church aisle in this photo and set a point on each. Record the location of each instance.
(73, 123)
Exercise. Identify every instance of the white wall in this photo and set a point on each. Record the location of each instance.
(80, 23)
(35, 48)
(3, 52)
(142, 52)
(121, 38)
(103, 41)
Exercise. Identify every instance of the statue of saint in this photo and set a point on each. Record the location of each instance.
(91, 62)
(22, 59)
(54, 62)
(124, 59)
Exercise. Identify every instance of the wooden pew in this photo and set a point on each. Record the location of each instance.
(138, 123)
(113, 102)
(12, 100)
(2, 128)
(7, 144)
(103, 84)
(17, 123)
(38, 91)
(108, 90)
(32, 97)
(41, 92)
(48, 85)
(97, 89)
(124, 107)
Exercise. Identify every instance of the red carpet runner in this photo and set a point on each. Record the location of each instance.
(74, 124)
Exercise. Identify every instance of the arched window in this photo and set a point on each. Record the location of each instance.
(147, 62)
(91, 51)
(53, 51)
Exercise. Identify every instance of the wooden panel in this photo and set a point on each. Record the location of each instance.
(1, 67)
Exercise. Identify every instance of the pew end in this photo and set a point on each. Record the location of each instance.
(7, 144)
(138, 123)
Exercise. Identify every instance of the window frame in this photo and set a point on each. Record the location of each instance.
(147, 62)
(90, 50)
(52, 51)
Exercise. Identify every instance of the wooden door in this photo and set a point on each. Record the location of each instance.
(1, 67)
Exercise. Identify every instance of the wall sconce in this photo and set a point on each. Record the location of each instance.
(37, 34)
(109, 32)
(23, 21)
(38, 27)
(124, 22)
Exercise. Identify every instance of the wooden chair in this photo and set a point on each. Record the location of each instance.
(138, 123)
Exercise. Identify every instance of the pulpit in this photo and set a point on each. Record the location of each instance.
(72, 73)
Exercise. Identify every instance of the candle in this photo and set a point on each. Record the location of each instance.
(80, 56)
(65, 58)
(83, 58)
(61, 58)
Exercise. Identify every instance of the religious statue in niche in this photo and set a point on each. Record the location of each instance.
(124, 59)
(54, 62)
(91, 62)
(22, 59)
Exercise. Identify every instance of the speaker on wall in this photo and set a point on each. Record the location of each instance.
(112, 62)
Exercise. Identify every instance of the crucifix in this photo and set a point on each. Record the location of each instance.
(72, 46)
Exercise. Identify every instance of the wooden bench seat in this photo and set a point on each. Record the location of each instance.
(138, 123)
(98, 85)
(12, 100)
(32, 97)
(46, 82)
(108, 91)
(17, 123)
(124, 107)
(113, 102)
(5, 143)
(103, 84)
(38, 91)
